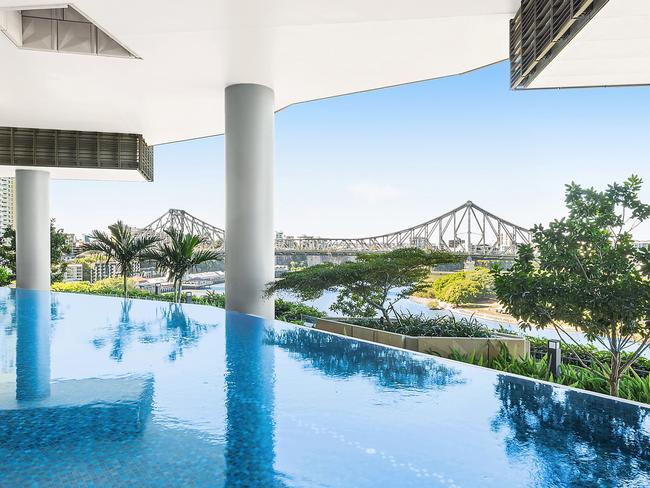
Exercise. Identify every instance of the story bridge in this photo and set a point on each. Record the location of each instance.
(467, 229)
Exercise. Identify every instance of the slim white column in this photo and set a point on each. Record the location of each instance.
(32, 229)
(250, 239)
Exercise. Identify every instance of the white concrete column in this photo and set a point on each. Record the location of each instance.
(32, 229)
(250, 239)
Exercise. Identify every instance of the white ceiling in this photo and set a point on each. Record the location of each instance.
(191, 50)
(612, 49)
(73, 173)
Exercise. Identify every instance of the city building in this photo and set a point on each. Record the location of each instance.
(77, 248)
(74, 272)
(102, 270)
(156, 285)
(70, 240)
(7, 203)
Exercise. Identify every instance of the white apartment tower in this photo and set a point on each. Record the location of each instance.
(7, 203)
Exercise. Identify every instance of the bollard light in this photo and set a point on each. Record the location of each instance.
(554, 355)
(188, 297)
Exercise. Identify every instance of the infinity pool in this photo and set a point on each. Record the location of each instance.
(101, 392)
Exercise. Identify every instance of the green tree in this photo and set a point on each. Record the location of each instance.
(5, 276)
(293, 312)
(122, 245)
(59, 248)
(463, 286)
(585, 271)
(460, 291)
(178, 254)
(371, 284)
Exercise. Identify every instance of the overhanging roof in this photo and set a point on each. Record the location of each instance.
(612, 49)
(191, 50)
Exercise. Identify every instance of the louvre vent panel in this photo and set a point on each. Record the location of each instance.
(536, 29)
(72, 149)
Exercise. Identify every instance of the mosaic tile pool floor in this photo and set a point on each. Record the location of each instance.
(100, 392)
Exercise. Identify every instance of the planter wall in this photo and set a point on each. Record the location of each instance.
(488, 348)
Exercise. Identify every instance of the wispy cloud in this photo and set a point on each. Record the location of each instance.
(373, 192)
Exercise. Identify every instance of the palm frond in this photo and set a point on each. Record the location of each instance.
(178, 254)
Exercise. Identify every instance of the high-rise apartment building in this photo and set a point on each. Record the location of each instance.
(7, 203)
(102, 270)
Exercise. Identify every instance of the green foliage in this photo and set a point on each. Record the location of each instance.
(632, 386)
(109, 286)
(364, 285)
(421, 325)
(177, 255)
(293, 312)
(122, 245)
(212, 298)
(58, 249)
(582, 354)
(585, 271)
(471, 358)
(284, 310)
(461, 287)
(5, 276)
(460, 291)
(351, 304)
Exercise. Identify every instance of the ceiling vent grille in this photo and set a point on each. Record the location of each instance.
(62, 29)
(73, 149)
(540, 29)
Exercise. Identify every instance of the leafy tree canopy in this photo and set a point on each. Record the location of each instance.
(178, 254)
(59, 248)
(462, 286)
(371, 284)
(122, 245)
(5, 276)
(585, 270)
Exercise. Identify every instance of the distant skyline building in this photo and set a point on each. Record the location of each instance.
(7, 203)
(74, 272)
(102, 270)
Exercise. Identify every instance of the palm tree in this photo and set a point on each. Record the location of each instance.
(123, 246)
(179, 254)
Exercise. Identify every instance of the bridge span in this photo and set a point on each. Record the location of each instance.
(467, 229)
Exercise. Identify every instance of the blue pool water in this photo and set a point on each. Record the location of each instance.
(96, 391)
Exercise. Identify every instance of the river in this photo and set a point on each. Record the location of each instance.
(324, 302)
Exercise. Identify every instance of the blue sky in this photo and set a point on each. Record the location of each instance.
(379, 161)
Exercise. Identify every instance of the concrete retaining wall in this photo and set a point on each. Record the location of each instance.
(488, 348)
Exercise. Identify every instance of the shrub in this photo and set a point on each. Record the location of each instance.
(421, 325)
(585, 353)
(632, 387)
(212, 298)
(5, 276)
(293, 311)
(284, 310)
(108, 286)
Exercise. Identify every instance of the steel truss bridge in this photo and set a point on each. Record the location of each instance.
(180, 220)
(467, 229)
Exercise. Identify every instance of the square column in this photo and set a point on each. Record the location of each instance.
(32, 229)
(250, 239)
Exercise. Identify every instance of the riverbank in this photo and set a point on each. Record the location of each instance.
(486, 310)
